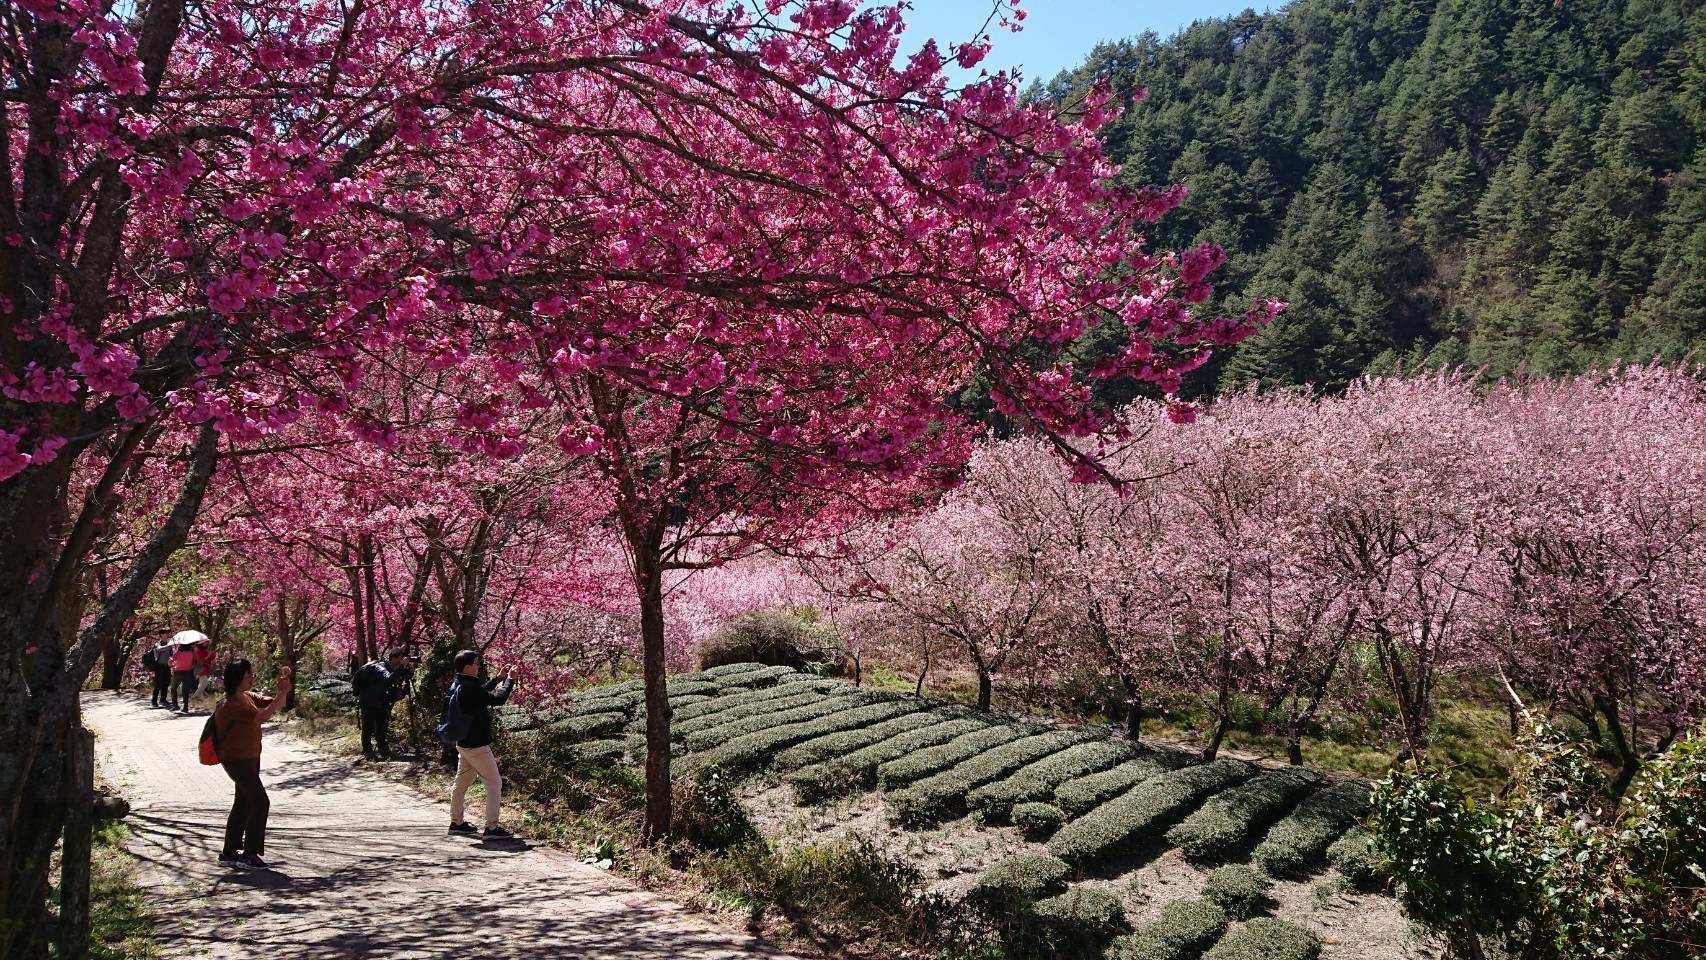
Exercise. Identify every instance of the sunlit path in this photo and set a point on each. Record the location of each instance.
(361, 866)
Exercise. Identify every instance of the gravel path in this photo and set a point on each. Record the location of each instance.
(361, 867)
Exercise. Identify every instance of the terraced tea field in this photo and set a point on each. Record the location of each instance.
(1163, 855)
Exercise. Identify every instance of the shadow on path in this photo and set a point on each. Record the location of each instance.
(361, 867)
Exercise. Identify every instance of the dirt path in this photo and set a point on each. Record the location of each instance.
(361, 867)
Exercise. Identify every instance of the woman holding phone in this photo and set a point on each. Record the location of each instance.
(237, 726)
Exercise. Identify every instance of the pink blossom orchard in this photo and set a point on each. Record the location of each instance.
(1544, 537)
(695, 228)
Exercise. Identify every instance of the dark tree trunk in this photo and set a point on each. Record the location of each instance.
(985, 689)
(1222, 709)
(112, 668)
(1628, 757)
(1221, 723)
(1133, 707)
(648, 584)
(36, 717)
(75, 860)
(1294, 750)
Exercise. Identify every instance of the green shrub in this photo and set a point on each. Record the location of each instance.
(1265, 938)
(596, 752)
(834, 745)
(1239, 890)
(1142, 813)
(1300, 840)
(1355, 857)
(942, 795)
(1079, 922)
(707, 814)
(557, 769)
(749, 752)
(778, 637)
(994, 801)
(1083, 794)
(1184, 929)
(756, 676)
(514, 718)
(901, 771)
(1018, 881)
(1037, 821)
(704, 739)
(1559, 867)
(835, 876)
(1232, 817)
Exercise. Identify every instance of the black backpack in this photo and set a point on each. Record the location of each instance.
(453, 726)
(150, 659)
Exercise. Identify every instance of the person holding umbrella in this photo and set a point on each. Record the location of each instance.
(185, 662)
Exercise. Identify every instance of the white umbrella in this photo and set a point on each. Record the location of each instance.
(188, 636)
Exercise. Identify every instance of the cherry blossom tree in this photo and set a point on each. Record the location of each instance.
(1393, 470)
(969, 573)
(746, 253)
(1600, 536)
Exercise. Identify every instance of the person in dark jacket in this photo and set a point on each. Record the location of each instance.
(377, 686)
(475, 698)
(159, 663)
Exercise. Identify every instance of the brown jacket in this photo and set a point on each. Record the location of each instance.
(238, 723)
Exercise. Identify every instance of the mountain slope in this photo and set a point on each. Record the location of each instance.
(1502, 183)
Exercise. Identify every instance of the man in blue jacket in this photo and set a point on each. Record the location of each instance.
(377, 686)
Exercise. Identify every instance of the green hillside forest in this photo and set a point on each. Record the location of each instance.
(1504, 184)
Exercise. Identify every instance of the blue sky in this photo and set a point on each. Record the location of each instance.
(1058, 33)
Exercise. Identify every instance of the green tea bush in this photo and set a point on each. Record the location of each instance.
(728, 671)
(941, 796)
(1083, 794)
(994, 801)
(791, 693)
(907, 769)
(596, 752)
(1239, 890)
(1233, 817)
(835, 745)
(1300, 840)
(722, 713)
(866, 760)
(746, 753)
(824, 781)
(607, 701)
(1037, 821)
(1265, 938)
(1018, 881)
(1355, 857)
(704, 739)
(589, 725)
(1140, 814)
(1184, 929)
(1079, 922)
